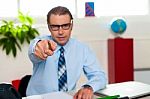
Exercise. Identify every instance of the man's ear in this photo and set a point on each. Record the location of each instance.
(71, 25)
(49, 28)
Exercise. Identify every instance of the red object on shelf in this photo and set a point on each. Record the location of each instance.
(16, 83)
(120, 60)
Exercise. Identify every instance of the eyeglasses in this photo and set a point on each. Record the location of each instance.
(57, 27)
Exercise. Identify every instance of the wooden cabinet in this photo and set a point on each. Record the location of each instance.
(120, 60)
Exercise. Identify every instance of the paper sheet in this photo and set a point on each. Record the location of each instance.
(57, 95)
(53, 95)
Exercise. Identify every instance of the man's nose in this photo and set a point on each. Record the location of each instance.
(60, 30)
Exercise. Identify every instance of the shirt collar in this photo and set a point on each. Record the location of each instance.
(66, 47)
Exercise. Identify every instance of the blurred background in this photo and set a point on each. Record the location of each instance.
(93, 30)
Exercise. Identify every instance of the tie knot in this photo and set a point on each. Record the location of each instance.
(61, 50)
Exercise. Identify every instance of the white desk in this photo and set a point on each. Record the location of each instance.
(54, 95)
(130, 89)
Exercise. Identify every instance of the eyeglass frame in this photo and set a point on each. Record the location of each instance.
(62, 26)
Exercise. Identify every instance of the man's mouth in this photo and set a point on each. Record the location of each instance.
(61, 38)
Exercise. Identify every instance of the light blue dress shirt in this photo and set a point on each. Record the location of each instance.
(78, 56)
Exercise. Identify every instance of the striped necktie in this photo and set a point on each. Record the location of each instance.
(62, 73)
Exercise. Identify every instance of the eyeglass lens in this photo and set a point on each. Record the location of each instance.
(63, 26)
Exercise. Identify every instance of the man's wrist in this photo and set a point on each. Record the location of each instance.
(88, 86)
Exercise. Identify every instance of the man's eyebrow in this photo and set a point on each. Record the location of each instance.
(60, 24)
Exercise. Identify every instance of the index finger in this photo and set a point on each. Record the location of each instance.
(52, 45)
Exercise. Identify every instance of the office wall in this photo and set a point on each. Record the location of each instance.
(94, 32)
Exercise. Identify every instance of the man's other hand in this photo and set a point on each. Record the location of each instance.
(45, 48)
(84, 93)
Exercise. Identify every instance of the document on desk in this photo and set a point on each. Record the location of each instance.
(132, 89)
(53, 95)
(33, 97)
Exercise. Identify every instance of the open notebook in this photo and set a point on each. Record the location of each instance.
(132, 89)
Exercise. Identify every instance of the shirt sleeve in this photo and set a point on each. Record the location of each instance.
(31, 50)
(96, 76)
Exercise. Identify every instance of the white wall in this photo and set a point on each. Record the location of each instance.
(93, 31)
(142, 76)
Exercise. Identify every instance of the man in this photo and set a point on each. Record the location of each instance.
(58, 60)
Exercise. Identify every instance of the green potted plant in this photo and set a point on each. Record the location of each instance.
(13, 35)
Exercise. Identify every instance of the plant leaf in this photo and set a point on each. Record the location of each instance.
(18, 45)
(12, 35)
(8, 49)
(29, 20)
(3, 41)
(21, 17)
(14, 50)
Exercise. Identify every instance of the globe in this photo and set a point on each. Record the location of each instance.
(118, 26)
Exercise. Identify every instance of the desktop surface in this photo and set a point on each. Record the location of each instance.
(55, 95)
(61, 95)
(132, 89)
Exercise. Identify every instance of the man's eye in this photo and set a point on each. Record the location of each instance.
(66, 25)
(54, 26)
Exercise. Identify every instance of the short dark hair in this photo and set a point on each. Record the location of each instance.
(59, 10)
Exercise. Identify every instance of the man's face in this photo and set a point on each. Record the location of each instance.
(60, 27)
